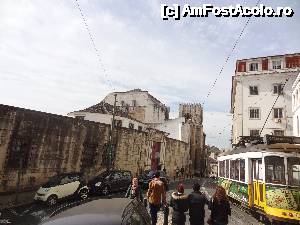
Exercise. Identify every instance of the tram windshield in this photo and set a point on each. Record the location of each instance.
(275, 170)
(294, 171)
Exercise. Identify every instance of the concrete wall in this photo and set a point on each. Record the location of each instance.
(48, 144)
(51, 144)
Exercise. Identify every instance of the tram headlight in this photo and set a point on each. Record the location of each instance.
(284, 214)
(291, 214)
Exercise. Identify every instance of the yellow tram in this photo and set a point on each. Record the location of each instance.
(264, 177)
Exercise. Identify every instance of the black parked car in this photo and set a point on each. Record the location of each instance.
(147, 176)
(110, 181)
(117, 211)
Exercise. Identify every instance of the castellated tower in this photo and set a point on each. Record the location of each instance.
(193, 114)
(192, 111)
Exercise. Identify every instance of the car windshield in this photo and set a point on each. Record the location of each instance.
(103, 175)
(53, 181)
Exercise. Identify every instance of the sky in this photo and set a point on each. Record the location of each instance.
(48, 62)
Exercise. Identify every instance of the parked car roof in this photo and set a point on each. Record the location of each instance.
(102, 211)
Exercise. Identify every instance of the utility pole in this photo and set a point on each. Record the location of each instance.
(111, 139)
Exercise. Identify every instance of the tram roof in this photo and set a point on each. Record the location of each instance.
(278, 147)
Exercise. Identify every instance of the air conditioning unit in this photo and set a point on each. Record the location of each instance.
(277, 120)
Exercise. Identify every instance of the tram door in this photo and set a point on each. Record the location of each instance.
(257, 182)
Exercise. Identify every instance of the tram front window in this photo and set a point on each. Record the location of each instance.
(275, 170)
(294, 171)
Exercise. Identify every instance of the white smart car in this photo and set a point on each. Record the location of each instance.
(62, 186)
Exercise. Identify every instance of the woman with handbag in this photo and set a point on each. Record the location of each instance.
(220, 207)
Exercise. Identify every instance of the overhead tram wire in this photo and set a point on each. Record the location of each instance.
(94, 45)
(228, 57)
(274, 103)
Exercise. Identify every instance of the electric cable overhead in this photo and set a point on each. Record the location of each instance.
(287, 79)
(94, 45)
(228, 57)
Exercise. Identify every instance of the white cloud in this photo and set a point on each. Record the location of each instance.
(47, 61)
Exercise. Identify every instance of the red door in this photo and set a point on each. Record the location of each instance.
(155, 156)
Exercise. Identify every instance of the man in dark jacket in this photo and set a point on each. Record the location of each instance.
(197, 201)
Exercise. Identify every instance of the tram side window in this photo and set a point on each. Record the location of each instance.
(237, 168)
(222, 168)
(232, 169)
(227, 168)
(294, 171)
(242, 170)
(275, 169)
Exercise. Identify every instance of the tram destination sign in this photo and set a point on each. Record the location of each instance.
(272, 139)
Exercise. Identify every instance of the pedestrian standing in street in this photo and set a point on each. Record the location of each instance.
(182, 172)
(220, 207)
(134, 190)
(177, 171)
(156, 195)
(197, 201)
(179, 203)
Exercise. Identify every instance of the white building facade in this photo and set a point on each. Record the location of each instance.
(176, 128)
(144, 106)
(257, 83)
(107, 119)
(296, 106)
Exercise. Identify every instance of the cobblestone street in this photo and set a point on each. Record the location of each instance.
(238, 217)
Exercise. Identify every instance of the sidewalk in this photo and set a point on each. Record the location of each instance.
(8, 201)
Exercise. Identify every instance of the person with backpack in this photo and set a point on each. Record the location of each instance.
(220, 207)
(179, 203)
(156, 195)
(197, 201)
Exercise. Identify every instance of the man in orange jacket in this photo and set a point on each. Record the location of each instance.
(156, 195)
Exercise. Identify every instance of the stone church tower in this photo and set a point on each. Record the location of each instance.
(193, 113)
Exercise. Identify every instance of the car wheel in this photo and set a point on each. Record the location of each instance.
(52, 200)
(105, 190)
(83, 193)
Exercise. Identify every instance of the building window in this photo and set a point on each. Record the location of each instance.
(278, 89)
(140, 128)
(254, 113)
(253, 90)
(276, 64)
(253, 66)
(278, 132)
(134, 103)
(278, 113)
(131, 126)
(254, 133)
(118, 123)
